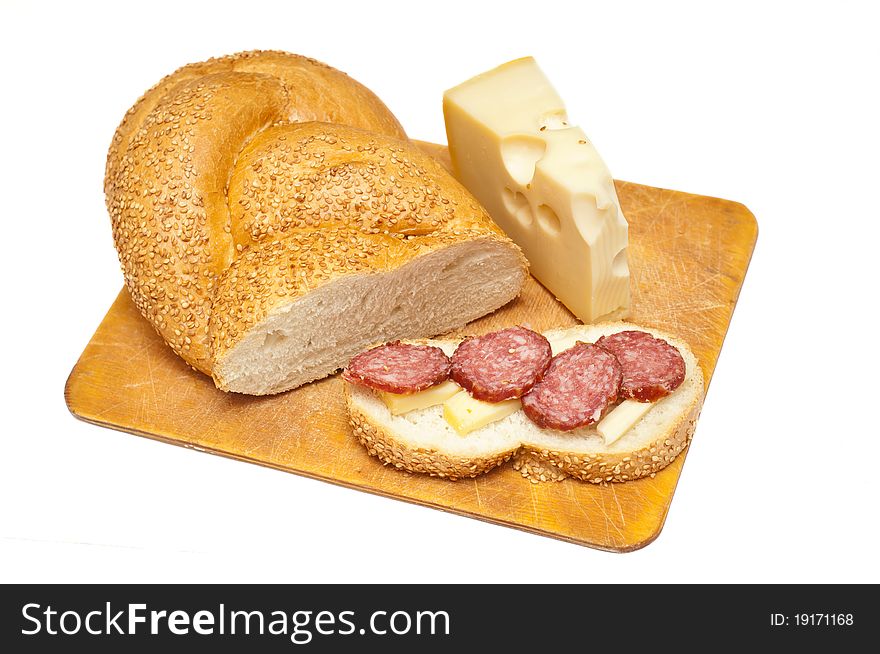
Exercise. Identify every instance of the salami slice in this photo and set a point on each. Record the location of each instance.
(502, 365)
(652, 368)
(579, 385)
(398, 368)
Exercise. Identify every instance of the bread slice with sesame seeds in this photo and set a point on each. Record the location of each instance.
(422, 441)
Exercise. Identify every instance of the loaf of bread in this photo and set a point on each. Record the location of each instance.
(272, 220)
(423, 441)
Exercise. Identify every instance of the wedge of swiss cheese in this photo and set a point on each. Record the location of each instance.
(544, 183)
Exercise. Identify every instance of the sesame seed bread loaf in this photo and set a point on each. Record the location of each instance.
(422, 441)
(272, 221)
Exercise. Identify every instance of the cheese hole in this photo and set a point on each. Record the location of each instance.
(548, 219)
(618, 265)
(520, 154)
(518, 205)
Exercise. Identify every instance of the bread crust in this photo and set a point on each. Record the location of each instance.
(314, 91)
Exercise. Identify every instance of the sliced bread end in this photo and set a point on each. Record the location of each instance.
(423, 442)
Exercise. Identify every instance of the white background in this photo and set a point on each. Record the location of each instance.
(772, 104)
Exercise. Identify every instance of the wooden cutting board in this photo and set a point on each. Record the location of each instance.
(688, 257)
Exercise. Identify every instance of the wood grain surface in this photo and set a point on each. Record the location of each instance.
(688, 258)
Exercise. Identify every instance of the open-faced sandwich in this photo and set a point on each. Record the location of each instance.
(603, 403)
